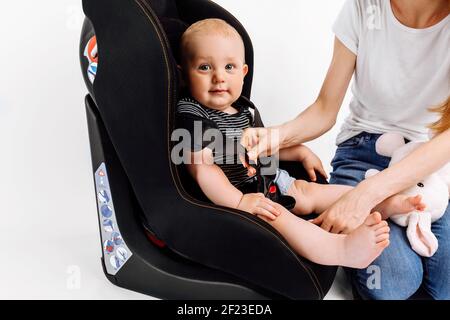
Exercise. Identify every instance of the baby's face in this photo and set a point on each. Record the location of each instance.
(215, 70)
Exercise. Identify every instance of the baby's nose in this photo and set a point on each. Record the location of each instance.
(218, 77)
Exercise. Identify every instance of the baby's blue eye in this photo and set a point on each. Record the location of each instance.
(229, 66)
(204, 67)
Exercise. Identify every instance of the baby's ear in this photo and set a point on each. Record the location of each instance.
(245, 69)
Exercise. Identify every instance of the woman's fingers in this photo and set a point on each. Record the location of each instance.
(323, 221)
(259, 146)
(245, 139)
(329, 224)
(254, 140)
(254, 152)
(249, 138)
(326, 226)
(259, 142)
(337, 228)
(318, 221)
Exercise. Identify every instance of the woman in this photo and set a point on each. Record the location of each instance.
(398, 51)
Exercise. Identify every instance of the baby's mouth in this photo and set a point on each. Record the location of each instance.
(218, 91)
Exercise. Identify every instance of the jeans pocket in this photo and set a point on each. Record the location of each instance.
(351, 143)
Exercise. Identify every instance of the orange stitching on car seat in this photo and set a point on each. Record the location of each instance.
(158, 27)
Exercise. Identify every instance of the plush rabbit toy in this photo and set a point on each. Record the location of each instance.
(434, 189)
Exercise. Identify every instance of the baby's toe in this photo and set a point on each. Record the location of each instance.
(373, 219)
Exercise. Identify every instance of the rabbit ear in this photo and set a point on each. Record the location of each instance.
(388, 143)
(422, 240)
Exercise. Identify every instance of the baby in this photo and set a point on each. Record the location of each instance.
(213, 66)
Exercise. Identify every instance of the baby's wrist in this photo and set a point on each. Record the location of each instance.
(303, 151)
(240, 201)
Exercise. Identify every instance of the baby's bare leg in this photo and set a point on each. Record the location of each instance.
(399, 204)
(356, 250)
(312, 197)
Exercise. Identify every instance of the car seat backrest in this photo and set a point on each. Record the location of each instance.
(164, 8)
(136, 90)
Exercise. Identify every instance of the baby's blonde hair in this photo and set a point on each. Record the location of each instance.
(207, 27)
(444, 123)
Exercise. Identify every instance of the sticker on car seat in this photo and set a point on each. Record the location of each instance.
(115, 251)
(91, 54)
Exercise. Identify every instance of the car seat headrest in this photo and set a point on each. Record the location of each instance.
(174, 29)
(164, 8)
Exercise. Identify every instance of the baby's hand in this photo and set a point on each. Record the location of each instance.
(311, 162)
(257, 204)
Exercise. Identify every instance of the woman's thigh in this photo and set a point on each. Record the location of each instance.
(354, 157)
(437, 267)
(398, 263)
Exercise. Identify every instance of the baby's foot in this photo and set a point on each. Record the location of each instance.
(401, 203)
(366, 243)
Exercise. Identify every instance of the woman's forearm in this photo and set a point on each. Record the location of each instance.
(321, 116)
(425, 160)
(300, 130)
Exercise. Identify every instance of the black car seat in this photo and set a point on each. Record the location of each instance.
(159, 235)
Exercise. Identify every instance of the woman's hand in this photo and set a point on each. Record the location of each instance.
(346, 214)
(261, 142)
(257, 204)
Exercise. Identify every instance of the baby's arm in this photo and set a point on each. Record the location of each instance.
(295, 153)
(310, 161)
(216, 186)
(211, 179)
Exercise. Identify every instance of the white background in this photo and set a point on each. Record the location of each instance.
(48, 221)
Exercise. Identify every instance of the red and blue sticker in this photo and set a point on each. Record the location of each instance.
(91, 53)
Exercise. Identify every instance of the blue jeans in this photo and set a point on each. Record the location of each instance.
(398, 272)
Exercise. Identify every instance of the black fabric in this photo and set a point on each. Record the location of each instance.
(164, 8)
(174, 29)
(136, 90)
(197, 143)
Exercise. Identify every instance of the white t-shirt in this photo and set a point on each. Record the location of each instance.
(400, 71)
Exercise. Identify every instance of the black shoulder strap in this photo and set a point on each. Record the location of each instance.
(190, 122)
(257, 121)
